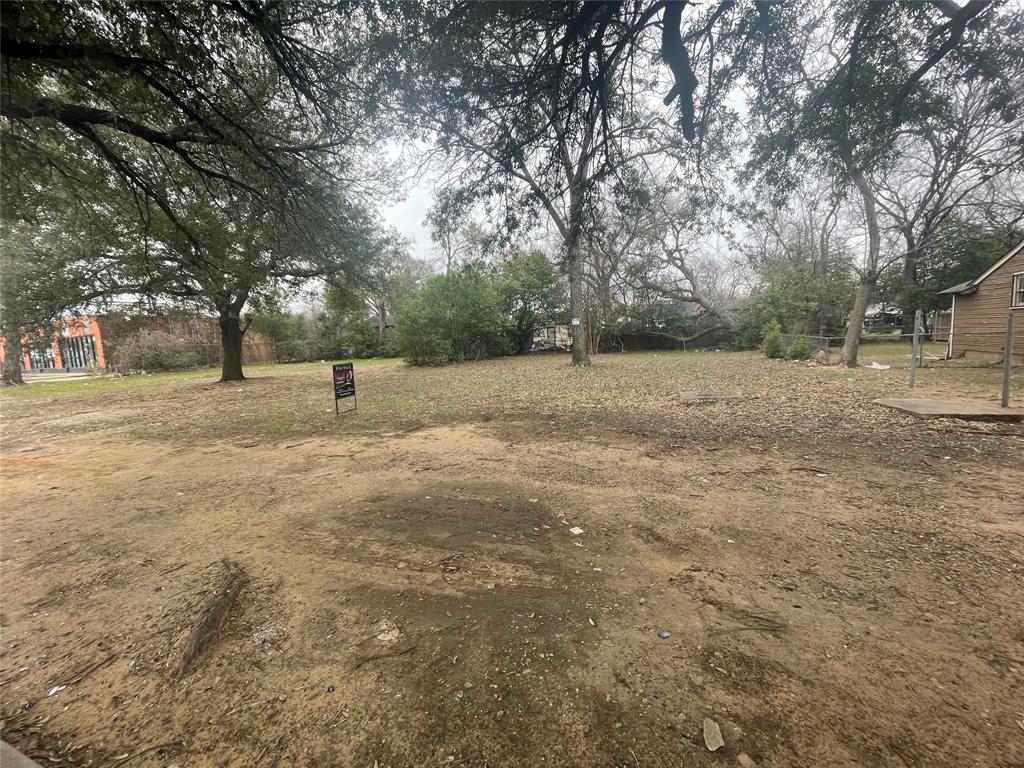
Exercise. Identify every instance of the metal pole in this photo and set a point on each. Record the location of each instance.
(1007, 362)
(920, 346)
(916, 348)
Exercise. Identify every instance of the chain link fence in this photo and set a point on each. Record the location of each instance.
(253, 352)
(969, 348)
(816, 343)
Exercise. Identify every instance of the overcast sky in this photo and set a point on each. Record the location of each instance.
(407, 216)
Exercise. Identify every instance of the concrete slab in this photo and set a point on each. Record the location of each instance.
(951, 409)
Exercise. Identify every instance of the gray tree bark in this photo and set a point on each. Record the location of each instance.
(909, 276)
(574, 261)
(382, 322)
(868, 278)
(577, 308)
(855, 321)
(12, 373)
(231, 334)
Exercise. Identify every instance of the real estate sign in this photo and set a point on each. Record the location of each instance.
(344, 384)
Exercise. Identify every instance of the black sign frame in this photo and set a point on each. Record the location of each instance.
(343, 376)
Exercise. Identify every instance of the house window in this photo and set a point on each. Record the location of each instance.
(1017, 297)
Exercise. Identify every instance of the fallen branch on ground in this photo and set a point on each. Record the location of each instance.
(211, 618)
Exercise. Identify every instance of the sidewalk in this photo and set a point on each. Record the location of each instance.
(42, 378)
(12, 758)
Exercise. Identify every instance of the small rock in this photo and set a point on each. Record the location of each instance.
(643, 601)
(664, 634)
(387, 632)
(712, 735)
(267, 637)
(746, 760)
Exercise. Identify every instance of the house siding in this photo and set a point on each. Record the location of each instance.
(979, 318)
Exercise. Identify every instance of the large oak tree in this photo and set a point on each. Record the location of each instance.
(250, 111)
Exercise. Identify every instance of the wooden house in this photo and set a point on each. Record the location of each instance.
(981, 307)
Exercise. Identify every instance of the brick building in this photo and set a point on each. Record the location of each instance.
(80, 343)
(76, 344)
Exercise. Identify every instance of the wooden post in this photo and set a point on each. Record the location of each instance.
(1007, 362)
(915, 349)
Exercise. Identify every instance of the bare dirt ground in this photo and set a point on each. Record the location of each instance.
(843, 585)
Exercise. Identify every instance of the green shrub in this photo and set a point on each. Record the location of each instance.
(423, 346)
(454, 317)
(800, 349)
(150, 351)
(288, 332)
(358, 335)
(771, 341)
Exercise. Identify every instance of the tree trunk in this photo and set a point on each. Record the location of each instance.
(381, 323)
(231, 343)
(577, 309)
(577, 288)
(12, 360)
(855, 322)
(909, 280)
(524, 333)
(868, 278)
(816, 317)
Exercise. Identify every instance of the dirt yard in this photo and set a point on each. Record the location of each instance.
(843, 585)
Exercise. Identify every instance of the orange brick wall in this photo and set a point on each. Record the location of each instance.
(75, 327)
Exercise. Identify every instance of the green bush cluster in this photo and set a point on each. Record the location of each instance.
(771, 340)
(288, 332)
(454, 317)
(800, 349)
(151, 351)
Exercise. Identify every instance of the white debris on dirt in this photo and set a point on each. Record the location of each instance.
(267, 637)
(575, 530)
(712, 735)
(386, 631)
